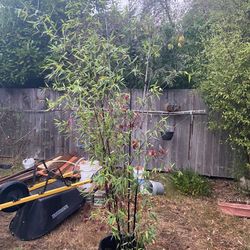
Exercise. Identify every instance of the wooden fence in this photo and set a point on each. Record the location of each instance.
(27, 129)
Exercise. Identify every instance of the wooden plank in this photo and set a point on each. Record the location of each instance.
(68, 166)
(27, 174)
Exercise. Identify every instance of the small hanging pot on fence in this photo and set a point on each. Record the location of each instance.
(168, 134)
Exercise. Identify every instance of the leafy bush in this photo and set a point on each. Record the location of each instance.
(190, 183)
(226, 85)
(242, 169)
(22, 48)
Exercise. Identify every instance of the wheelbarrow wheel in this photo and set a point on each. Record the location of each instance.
(13, 191)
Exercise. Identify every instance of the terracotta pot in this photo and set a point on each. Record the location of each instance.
(172, 107)
(235, 209)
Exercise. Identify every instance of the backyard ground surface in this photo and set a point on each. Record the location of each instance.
(183, 223)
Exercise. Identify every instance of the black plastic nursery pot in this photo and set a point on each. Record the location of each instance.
(111, 243)
(167, 136)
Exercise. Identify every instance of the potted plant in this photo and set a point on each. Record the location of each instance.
(88, 71)
(129, 214)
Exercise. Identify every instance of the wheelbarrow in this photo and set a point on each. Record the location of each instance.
(43, 206)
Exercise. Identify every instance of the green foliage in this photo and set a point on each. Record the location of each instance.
(225, 83)
(87, 67)
(153, 24)
(243, 170)
(190, 183)
(19, 55)
(154, 45)
(22, 49)
(195, 26)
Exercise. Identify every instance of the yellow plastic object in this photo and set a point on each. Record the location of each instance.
(42, 184)
(45, 194)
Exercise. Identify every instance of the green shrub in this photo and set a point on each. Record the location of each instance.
(190, 183)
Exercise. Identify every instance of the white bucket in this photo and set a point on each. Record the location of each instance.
(28, 163)
(152, 187)
(157, 188)
(88, 169)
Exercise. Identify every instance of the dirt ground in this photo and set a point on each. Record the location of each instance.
(183, 223)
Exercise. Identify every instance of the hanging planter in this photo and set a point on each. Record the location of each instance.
(168, 134)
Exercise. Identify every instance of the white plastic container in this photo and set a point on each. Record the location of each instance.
(157, 188)
(138, 174)
(152, 187)
(28, 163)
(88, 169)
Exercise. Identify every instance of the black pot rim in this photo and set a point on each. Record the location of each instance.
(110, 242)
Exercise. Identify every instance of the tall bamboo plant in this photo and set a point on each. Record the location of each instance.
(88, 69)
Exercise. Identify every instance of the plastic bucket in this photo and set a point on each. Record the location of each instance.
(88, 169)
(28, 163)
(152, 187)
(157, 188)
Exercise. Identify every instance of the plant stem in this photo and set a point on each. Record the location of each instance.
(130, 160)
(135, 206)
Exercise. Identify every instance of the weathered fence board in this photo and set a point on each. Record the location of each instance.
(27, 130)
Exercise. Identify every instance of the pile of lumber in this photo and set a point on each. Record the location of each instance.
(62, 163)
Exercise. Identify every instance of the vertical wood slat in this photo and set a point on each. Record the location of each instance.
(192, 145)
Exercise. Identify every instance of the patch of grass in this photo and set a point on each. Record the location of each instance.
(190, 183)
